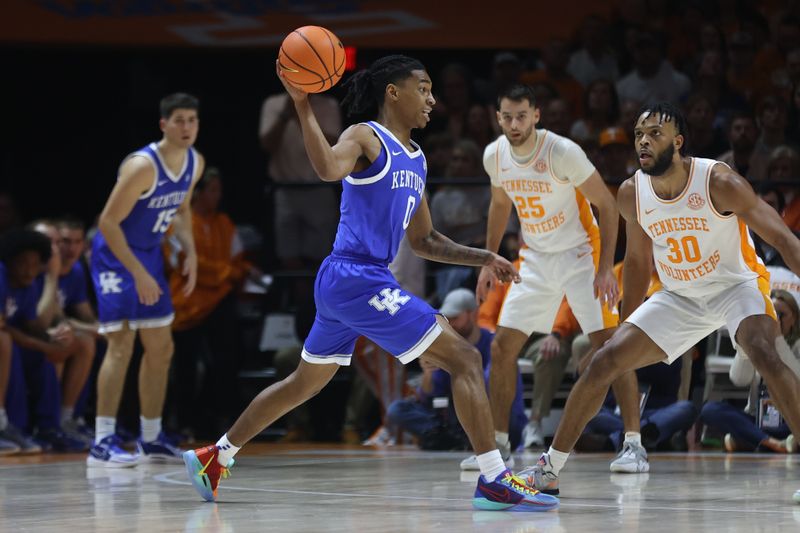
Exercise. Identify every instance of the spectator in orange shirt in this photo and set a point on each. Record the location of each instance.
(205, 325)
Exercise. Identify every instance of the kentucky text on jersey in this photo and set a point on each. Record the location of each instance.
(166, 200)
(672, 224)
(408, 179)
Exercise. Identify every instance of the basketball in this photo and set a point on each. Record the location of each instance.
(312, 59)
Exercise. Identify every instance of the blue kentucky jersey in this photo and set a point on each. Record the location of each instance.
(151, 216)
(379, 202)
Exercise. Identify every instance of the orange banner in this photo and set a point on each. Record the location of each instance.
(255, 23)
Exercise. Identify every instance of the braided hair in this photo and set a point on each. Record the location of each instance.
(669, 112)
(366, 88)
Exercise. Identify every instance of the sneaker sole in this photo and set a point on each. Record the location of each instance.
(487, 505)
(193, 466)
(637, 469)
(95, 462)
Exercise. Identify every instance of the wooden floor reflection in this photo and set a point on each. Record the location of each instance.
(330, 488)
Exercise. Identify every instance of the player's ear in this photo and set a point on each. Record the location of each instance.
(537, 114)
(391, 92)
(679, 140)
(162, 124)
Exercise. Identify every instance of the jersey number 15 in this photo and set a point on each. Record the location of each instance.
(164, 220)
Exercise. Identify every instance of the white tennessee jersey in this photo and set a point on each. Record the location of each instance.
(697, 251)
(554, 216)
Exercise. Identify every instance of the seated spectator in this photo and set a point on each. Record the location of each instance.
(601, 111)
(205, 328)
(783, 169)
(617, 157)
(771, 113)
(455, 96)
(418, 416)
(594, 60)
(438, 149)
(653, 78)
(36, 346)
(557, 116)
(772, 195)
(628, 114)
(553, 71)
(705, 139)
(481, 126)
(758, 427)
(459, 211)
(664, 418)
(745, 156)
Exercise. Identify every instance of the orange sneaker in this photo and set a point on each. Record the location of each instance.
(204, 470)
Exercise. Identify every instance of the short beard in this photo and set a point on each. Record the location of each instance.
(662, 162)
(525, 136)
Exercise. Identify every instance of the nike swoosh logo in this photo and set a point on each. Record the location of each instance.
(202, 471)
(648, 211)
(505, 169)
(397, 153)
(584, 253)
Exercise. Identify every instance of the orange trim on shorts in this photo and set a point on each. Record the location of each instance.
(754, 263)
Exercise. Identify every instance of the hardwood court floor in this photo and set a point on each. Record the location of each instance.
(332, 488)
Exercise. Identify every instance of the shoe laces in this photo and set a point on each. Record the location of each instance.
(519, 485)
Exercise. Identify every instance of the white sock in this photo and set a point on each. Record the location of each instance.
(228, 450)
(151, 427)
(66, 414)
(557, 459)
(501, 438)
(491, 464)
(103, 427)
(634, 437)
(3, 419)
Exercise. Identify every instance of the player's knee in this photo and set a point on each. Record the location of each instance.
(763, 354)
(605, 365)
(467, 360)
(502, 351)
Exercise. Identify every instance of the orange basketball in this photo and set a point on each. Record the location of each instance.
(312, 59)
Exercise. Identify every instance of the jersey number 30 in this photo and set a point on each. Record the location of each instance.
(164, 220)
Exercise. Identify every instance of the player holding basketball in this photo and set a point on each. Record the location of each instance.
(690, 216)
(153, 191)
(551, 182)
(383, 176)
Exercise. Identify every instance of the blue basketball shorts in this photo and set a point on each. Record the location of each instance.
(356, 298)
(117, 300)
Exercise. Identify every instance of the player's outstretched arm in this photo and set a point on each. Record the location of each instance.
(638, 252)
(430, 244)
(331, 163)
(136, 176)
(730, 193)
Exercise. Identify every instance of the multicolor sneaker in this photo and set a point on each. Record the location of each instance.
(25, 444)
(541, 476)
(471, 462)
(204, 470)
(161, 450)
(510, 493)
(109, 454)
(632, 459)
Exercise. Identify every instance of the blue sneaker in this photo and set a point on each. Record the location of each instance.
(510, 493)
(109, 454)
(161, 450)
(56, 440)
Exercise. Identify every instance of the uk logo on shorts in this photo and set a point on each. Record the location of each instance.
(391, 301)
(109, 283)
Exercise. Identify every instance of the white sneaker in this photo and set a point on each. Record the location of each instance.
(631, 460)
(532, 435)
(471, 462)
(796, 496)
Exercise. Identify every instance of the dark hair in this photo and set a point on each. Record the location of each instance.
(17, 241)
(70, 222)
(517, 93)
(208, 174)
(175, 101)
(613, 112)
(669, 112)
(366, 88)
(766, 187)
(740, 115)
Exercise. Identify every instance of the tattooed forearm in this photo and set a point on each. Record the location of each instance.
(437, 247)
